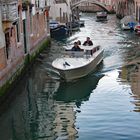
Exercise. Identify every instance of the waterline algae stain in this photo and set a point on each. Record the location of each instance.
(21, 70)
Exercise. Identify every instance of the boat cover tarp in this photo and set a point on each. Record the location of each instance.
(128, 19)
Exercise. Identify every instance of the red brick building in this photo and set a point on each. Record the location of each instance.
(127, 7)
(23, 28)
(137, 9)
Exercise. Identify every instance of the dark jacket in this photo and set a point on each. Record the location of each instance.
(76, 48)
(88, 43)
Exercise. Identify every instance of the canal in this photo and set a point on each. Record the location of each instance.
(101, 106)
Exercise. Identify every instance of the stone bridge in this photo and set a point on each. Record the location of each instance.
(95, 2)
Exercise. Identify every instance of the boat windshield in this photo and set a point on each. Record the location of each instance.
(87, 50)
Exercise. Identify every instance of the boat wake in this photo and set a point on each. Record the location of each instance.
(53, 73)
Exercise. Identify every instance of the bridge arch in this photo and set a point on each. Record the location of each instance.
(95, 2)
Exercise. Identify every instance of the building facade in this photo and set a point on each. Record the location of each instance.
(23, 26)
(137, 10)
(60, 10)
(2, 46)
(128, 7)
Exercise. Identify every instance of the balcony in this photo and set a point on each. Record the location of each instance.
(9, 10)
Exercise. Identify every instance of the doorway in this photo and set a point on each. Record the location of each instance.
(25, 36)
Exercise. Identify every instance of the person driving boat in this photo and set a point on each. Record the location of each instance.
(88, 42)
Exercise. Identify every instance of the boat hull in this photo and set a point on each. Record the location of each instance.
(101, 16)
(101, 19)
(137, 29)
(79, 72)
(125, 27)
(59, 31)
(81, 23)
(73, 26)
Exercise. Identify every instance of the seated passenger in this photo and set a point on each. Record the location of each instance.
(88, 42)
(79, 42)
(76, 47)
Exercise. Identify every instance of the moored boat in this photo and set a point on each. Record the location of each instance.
(81, 23)
(57, 29)
(53, 24)
(101, 16)
(61, 30)
(125, 26)
(73, 26)
(128, 23)
(80, 14)
(77, 64)
(137, 29)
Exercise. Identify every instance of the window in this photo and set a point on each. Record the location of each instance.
(18, 32)
(31, 22)
(7, 40)
(60, 1)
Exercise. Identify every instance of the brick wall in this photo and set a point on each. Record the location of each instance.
(9, 67)
(38, 29)
(2, 59)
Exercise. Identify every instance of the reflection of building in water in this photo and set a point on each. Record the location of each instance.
(135, 87)
(16, 122)
(43, 124)
(37, 114)
(54, 119)
(68, 98)
(32, 114)
(64, 120)
(132, 75)
(135, 84)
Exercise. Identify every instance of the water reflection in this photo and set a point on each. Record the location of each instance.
(78, 90)
(93, 107)
(68, 97)
(131, 74)
(46, 108)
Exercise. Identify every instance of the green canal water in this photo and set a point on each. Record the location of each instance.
(104, 105)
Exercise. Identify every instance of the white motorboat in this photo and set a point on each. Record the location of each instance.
(77, 64)
(128, 23)
(125, 26)
(53, 24)
(80, 14)
(81, 23)
(101, 16)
